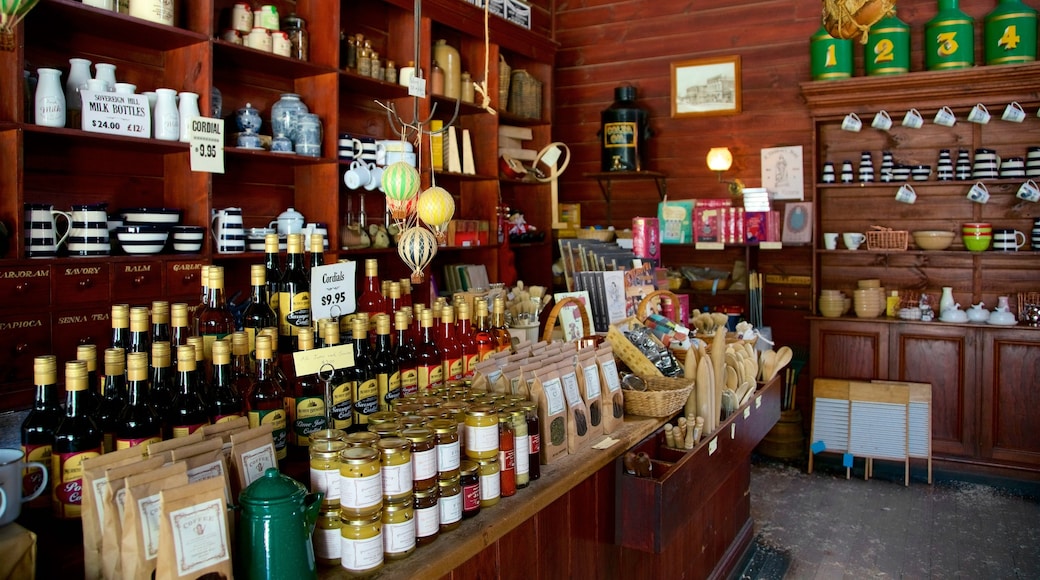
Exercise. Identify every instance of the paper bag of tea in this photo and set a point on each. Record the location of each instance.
(600, 412)
(205, 460)
(112, 512)
(165, 448)
(547, 391)
(194, 540)
(579, 427)
(223, 430)
(252, 452)
(140, 534)
(92, 490)
(610, 384)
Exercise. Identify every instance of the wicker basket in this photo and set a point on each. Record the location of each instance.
(630, 355)
(663, 397)
(525, 95)
(503, 83)
(882, 238)
(594, 234)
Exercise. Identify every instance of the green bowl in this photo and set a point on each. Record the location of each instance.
(977, 243)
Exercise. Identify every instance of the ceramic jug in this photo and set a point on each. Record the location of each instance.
(41, 237)
(187, 110)
(228, 232)
(275, 528)
(88, 234)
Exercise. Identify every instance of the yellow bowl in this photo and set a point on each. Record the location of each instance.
(933, 239)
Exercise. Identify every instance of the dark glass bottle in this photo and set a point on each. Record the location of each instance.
(385, 366)
(406, 292)
(266, 402)
(342, 411)
(160, 321)
(120, 326)
(294, 297)
(161, 379)
(204, 288)
(224, 401)
(187, 411)
(201, 379)
(41, 422)
(404, 354)
(138, 424)
(429, 367)
(371, 298)
(317, 250)
(451, 349)
(362, 375)
(467, 336)
(114, 398)
(88, 354)
(241, 365)
(180, 328)
(499, 330)
(258, 314)
(77, 438)
(485, 339)
(272, 270)
(216, 321)
(279, 375)
(140, 332)
(306, 401)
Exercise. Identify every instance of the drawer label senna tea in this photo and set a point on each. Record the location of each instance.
(116, 114)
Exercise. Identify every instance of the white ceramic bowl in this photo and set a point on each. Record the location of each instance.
(192, 247)
(142, 239)
(151, 216)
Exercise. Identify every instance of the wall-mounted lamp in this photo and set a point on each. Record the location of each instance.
(719, 161)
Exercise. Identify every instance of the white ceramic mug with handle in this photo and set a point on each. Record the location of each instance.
(12, 483)
(41, 230)
(228, 231)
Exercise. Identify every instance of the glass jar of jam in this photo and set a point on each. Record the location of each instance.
(431, 413)
(446, 437)
(386, 429)
(409, 421)
(395, 455)
(407, 406)
(362, 439)
(325, 469)
(328, 435)
(360, 482)
(469, 480)
(450, 503)
(427, 516)
(424, 457)
(398, 529)
(361, 544)
(383, 417)
(327, 538)
(490, 482)
(481, 432)
(506, 454)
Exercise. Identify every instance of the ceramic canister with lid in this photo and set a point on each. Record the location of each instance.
(285, 115)
(625, 128)
(887, 50)
(1010, 33)
(949, 38)
(831, 58)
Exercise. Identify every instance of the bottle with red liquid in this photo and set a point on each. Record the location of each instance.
(429, 366)
(406, 291)
(467, 336)
(76, 439)
(216, 321)
(371, 298)
(506, 454)
(393, 298)
(486, 345)
(404, 353)
(451, 349)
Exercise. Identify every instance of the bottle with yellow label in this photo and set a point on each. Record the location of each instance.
(39, 425)
(388, 373)
(306, 402)
(362, 376)
(294, 296)
(342, 411)
(266, 402)
(76, 439)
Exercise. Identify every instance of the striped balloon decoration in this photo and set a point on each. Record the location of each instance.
(417, 247)
(400, 181)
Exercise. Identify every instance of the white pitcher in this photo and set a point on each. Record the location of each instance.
(228, 233)
(41, 237)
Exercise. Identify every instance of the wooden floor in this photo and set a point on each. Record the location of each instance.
(833, 528)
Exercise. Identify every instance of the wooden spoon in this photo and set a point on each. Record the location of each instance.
(768, 363)
(782, 359)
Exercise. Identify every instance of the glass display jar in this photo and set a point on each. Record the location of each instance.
(308, 135)
(398, 529)
(424, 457)
(361, 439)
(469, 480)
(490, 482)
(446, 436)
(296, 28)
(395, 456)
(328, 538)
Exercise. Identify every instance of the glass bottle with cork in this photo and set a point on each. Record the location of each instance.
(258, 314)
(225, 404)
(37, 431)
(216, 320)
(138, 424)
(113, 398)
(294, 297)
(77, 438)
(187, 410)
(266, 402)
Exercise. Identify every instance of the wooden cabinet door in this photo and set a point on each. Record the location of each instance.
(852, 349)
(943, 356)
(1010, 361)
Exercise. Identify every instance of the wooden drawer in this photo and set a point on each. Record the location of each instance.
(22, 338)
(72, 328)
(81, 282)
(182, 280)
(653, 511)
(25, 286)
(137, 283)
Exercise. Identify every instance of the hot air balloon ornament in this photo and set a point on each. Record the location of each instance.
(11, 13)
(417, 246)
(436, 208)
(401, 184)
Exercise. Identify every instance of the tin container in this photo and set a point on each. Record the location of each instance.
(949, 39)
(830, 58)
(887, 51)
(1010, 33)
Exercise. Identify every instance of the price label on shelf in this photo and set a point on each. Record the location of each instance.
(332, 290)
(116, 114)
(206, 139)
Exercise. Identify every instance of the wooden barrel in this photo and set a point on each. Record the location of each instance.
(785, 440)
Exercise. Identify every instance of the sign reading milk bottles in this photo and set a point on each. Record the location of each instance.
(116, 114)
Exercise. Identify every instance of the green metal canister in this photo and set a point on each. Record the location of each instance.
(887, 51)
(1010, 33)
(949, 39)
(831, 57)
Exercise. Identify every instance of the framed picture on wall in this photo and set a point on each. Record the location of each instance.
(706, 86)
(798, 223)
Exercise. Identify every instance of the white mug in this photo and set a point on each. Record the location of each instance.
(979, 114)
(1008, 240)
(228, 232)
(978, 193)
(913, 119)
(1029, 191)
(882, 121)
(853, 240)
(88, 234)
(1014, 113)
(945, 117)
(12, 482)
(41, 227)
(906, 194)
(375, 177)
(358, 175)
(852, 123)
(830, 241)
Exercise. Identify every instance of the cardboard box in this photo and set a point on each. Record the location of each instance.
(646, 242)
(676, 219)
(706, 219)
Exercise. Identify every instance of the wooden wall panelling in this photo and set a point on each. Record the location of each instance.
(519, 551)
(1008, 431)
(11, 200)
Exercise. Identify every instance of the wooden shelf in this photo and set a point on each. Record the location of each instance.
(61, 17)
(607, 178)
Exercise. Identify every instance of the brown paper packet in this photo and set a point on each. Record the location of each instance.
(112, 520)
(205, 460)
(94, 484)
(512, 374)
(610, 383)
(140, 534)
(165, 448)
(252, 452)
(547, 391)
(224, 429)
(194, 537)
(587, 368)
(579, 428)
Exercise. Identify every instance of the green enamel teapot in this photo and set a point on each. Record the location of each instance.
(275, 528)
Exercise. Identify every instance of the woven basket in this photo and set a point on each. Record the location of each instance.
(594, 234)
(630, 355)
(881, 238)
(554, 314)
(503, 83)
(663, 397)
(525, 95)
